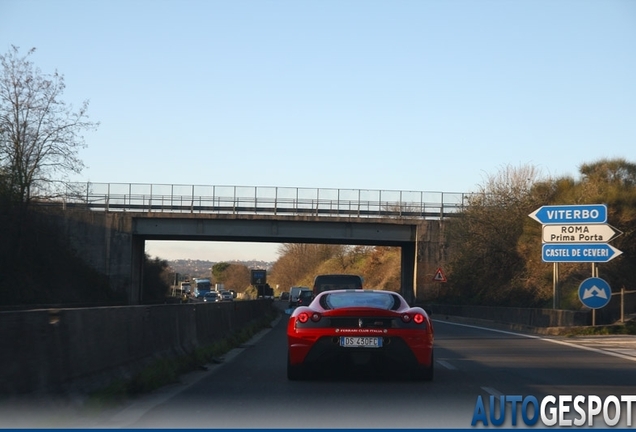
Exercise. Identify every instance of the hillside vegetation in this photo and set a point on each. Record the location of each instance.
(499, 259)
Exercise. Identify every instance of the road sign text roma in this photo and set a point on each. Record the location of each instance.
(596, 233)
(574, 233)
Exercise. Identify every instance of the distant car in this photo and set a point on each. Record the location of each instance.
(284, 296)
(305, 297)
(327, 282)
(226, 296)
(293, 294)
(211, 296)
(186, 288)
(349, 330)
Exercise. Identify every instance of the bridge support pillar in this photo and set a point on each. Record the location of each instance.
(137, 265)
(408, 272)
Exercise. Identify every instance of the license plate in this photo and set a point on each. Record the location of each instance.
(365, 342)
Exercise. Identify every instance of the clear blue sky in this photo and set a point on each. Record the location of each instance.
(391, 95)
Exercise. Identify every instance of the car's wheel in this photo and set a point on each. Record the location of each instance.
(424, 373)
(295, 372)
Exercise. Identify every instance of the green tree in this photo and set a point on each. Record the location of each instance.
(156, 285)
(218, 271)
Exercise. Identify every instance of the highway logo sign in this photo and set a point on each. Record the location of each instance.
(571, 214)
(593, 233)
(595, 293)
(578, 252)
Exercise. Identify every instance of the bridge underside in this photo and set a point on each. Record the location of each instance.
(270, 230)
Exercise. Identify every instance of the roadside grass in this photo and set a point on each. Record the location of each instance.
(167, 371)
(628, 328)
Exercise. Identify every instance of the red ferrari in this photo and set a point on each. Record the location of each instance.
(358, 330)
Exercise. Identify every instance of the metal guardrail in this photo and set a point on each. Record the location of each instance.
(264, 200)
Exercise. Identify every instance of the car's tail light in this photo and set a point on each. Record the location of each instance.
(303, 317)
(315, 317)
(417, 318)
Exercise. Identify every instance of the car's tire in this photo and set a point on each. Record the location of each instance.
(295, 372)
(425, 373)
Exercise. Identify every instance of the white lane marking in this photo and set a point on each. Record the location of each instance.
(446, 365)
(560, 342)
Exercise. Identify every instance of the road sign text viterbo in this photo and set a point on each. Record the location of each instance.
(573, 214)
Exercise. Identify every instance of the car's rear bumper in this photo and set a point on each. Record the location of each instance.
(410, 350)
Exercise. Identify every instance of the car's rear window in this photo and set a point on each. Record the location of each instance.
(376, 300)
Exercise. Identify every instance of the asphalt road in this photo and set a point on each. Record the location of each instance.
(249, 389)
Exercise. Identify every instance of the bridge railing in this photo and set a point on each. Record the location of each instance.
(264, 200)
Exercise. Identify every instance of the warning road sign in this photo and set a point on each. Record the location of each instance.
(439, 275)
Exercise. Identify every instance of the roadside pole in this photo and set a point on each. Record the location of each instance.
(555, 285)
(622, 294)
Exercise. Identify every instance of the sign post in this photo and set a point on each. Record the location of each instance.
(575, 234)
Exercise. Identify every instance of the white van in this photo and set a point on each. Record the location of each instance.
(185, 287)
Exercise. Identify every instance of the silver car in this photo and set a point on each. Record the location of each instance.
(226, 296)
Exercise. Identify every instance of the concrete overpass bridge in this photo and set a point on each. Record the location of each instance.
(109, 223)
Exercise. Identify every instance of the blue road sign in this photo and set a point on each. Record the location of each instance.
(578, 252)
(595, 293)
(571, 214)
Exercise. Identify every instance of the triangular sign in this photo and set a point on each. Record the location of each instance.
(439, 275)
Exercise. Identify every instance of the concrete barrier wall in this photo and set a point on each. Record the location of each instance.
(102, 240)
(57, 351)
(522, 316)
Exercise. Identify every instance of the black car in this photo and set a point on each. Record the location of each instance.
(284, 296)
(305, 297)
(328, 282)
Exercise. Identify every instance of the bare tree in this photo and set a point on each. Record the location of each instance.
(485, 238)
(40, 135)
(236, 277)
